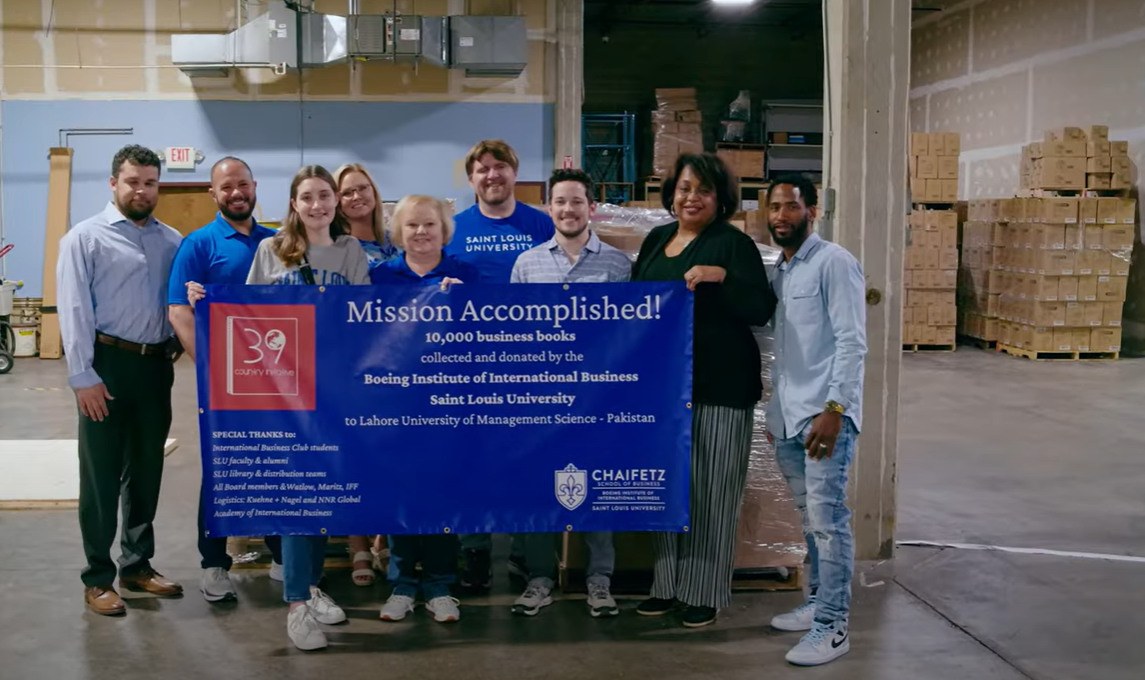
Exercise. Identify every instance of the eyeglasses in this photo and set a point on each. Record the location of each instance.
(364, 190)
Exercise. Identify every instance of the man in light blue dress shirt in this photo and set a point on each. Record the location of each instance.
(112, 297)
(816, 407)
(573, 255)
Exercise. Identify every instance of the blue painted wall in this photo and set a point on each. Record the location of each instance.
(408, 147)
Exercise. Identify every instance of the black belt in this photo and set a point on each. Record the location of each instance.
(133, 347)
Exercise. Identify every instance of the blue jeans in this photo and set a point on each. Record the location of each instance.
(820, 491)
(302, 560)
(601, 557)
(438, 557)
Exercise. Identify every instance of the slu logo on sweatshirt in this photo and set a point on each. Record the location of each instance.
(498, 243)
(322, 277)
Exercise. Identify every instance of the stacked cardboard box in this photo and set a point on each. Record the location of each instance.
(934, 167)
(1073, 158)
(743, 160)
(980, 270)
(931, 277)
(676, 127)
(1065, 267)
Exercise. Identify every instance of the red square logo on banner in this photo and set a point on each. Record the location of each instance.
(262, 357)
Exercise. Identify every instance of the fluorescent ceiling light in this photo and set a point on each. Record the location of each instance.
(732, 2)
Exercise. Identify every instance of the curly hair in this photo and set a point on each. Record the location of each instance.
(138, 155)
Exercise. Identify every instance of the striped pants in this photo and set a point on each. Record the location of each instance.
(696, 567)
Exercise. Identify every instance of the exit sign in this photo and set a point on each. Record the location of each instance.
(181, 158)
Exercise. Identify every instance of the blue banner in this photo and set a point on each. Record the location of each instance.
(347, 410)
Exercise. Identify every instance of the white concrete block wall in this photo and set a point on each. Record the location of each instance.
(1001, 72)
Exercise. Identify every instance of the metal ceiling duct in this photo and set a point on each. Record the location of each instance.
(283, 38)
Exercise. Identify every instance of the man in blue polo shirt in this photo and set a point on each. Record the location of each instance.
(219, 252)
(493, 232)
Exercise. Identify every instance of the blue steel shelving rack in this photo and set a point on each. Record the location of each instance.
(608, 152)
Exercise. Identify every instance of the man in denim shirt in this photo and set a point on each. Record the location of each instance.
(816, 407)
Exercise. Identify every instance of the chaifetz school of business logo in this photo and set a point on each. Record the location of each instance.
(262, 357)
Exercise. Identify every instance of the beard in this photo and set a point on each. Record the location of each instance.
(798, 234)
(237, 216)
(572, 232)
(134, 211)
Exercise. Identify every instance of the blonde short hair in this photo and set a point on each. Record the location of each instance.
(500, 150)
(379, 216)
(413, 201)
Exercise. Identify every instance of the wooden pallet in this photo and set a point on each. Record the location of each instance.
(1058, 356)
(928, 348)
(977, 342)
(742, 146)
(1075, 193)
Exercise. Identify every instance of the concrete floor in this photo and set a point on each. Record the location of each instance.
(993, 450)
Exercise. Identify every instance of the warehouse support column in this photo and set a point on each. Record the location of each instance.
(868, 73)
(569, 81)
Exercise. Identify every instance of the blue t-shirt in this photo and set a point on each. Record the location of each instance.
(377, 253)
(396, 271)
(492, 245)
(216, 253)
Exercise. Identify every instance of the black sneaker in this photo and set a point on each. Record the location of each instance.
(655, 606)
(477, 572)
(698, 617)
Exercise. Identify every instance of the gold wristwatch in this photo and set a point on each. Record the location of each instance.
(834, 407)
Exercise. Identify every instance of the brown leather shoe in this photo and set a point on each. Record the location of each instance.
(103, 600)
(150, 581)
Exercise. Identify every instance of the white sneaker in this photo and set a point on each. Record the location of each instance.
(215, 585)
(444, 609)
(396, 608)
(797, 620)
(303, 629)
(536, 595)
(600, 602)
(826, 642)
(276, 572)
(325, 611)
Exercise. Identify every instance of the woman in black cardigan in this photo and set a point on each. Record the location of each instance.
(722, 265)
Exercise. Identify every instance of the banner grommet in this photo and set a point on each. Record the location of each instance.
(321, 289)
(568, 527)
(201, 411)
(323, 530)
(688, 405)
(685, 528)
(447, 530)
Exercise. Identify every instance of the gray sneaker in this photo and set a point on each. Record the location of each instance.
(536, 595)
(277, 572)
(215, 584)
(600, 602)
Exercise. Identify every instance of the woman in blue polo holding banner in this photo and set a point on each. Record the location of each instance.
(311, 248)
(421, 227)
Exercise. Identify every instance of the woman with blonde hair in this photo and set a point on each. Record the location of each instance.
(421, 227)
(361, 205)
